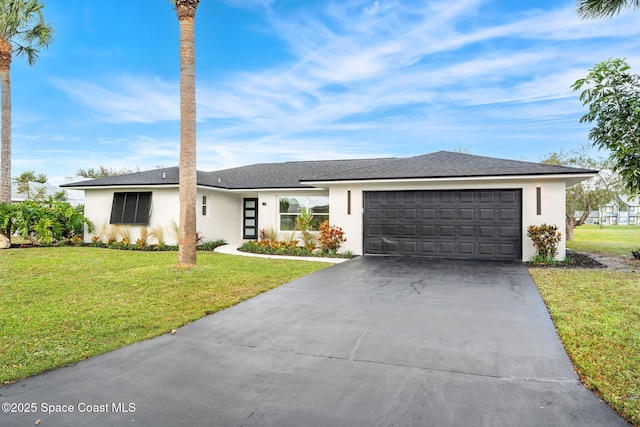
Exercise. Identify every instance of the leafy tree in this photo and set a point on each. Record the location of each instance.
(604, 8)
(612, 94)
(102, 172)
(589, 195)
(22, 27)
(186, 11)
(24, 181)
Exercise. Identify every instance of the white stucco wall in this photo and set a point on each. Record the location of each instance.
(552, 198)
(224, 215)
(223, 219)
(165, 210)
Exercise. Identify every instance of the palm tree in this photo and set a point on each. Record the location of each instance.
(186, 10)
(22, 27)
(604, 8)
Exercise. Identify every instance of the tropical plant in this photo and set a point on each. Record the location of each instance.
(305, 222)
(23, 31)
(186, 11)
(331, 237)
(6, 220)
(613, 96)
(545, 239)
(43, 225)
(604, 8)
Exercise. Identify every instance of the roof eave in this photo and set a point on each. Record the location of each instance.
(573, 177)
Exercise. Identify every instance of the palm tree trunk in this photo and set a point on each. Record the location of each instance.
(5, 155)
(186, 10)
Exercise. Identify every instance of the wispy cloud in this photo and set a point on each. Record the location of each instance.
(125, 99)
(376, 71)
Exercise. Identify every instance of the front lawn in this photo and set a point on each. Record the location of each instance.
(597, 315)
(61, 305)
(613, 239)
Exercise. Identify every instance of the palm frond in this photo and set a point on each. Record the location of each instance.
(592, 9)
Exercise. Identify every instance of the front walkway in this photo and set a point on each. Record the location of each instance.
(232, 249)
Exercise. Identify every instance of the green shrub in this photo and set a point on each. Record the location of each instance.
(211, 245)
(42, 224)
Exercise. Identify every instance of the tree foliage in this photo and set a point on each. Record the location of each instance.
(103, 171)
(612, 94)
(604, 8)
(24, 181)
(589, 195)
(43, 223)
(23, 31)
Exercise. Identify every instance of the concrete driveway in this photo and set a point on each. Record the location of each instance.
(371, 342)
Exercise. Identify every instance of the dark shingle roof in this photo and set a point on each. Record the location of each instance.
(289, 174)
(446, 164)
(442, 164)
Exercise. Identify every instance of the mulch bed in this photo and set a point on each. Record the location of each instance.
(573, 260)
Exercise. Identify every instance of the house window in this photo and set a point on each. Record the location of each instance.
(131, 208)
(291, 208)
(538, 201)
(204, 205)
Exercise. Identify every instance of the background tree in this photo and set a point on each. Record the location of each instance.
(25, 181)
(103, 171)
(22, 27)
(590, 195)
(604, 8)
(612, 94)
(187, 241)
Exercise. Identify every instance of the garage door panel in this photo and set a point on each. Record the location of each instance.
(429, 213)
(428, 231)
(467, 231)
(483, 224)
(447, 248)
(410, 231)
(487, 196)
(508, 214)
(487, 214)
(447, 213)
(486, 249)
(508, 232)
(467, 214)
(447, 231)
(467, 248)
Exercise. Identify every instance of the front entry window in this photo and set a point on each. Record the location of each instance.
(250, 219)
(292, 206)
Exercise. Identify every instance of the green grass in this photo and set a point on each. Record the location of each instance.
(597, 315)
(61, 305)
(614, 239)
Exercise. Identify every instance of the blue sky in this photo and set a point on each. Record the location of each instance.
(281, 80)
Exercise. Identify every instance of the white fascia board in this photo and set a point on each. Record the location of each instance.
(266, 190)
(120, 187)
(572, 177)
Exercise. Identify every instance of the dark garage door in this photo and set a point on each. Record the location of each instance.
(481, 224)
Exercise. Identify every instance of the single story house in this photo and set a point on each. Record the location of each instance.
(443, 204)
